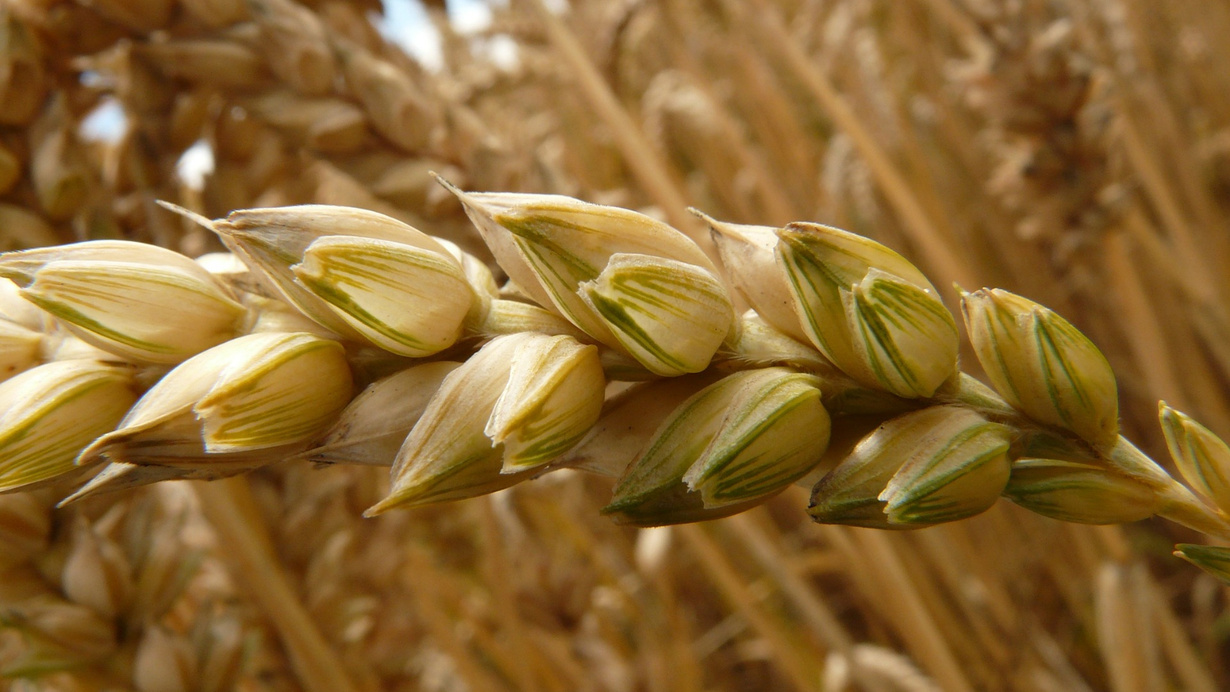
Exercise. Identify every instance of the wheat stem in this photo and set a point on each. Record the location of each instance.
(741, 598)
(1148, 344)
(1154, 181)
(497, 567)
(1178, 646)
(767, 553)
(893, 584)
(429, 593)
(1125, 630)
(933, 242)
(230, 508)
(645, 162)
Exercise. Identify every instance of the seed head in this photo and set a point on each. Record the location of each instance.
(404, 299)
(659, 282)
(1042, 365)
(50, 412)
(398, 108)
(671, 316)
(868, 310)
(296, 45)
(934, 465)
(132, 299)
(235, 406)
(1201, 456)
(552, 397)
(96, 573)
(358, 273)
(23, 75)
(728, 447)
(1082, 493)
(902, 334)
(218, 62)
(518, 403)
(58, 635)
(163, 662)
(328, 125)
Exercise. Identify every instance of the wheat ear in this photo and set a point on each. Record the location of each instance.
(616, 346)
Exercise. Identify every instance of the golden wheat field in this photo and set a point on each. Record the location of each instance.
(1073, 152)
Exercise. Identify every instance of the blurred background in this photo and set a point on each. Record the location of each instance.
(1074, 151)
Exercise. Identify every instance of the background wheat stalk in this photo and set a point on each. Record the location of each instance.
(1096, 126)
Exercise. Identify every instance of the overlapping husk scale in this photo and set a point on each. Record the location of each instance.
(405, 343)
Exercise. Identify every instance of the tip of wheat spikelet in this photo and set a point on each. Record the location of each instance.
(186, 213)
